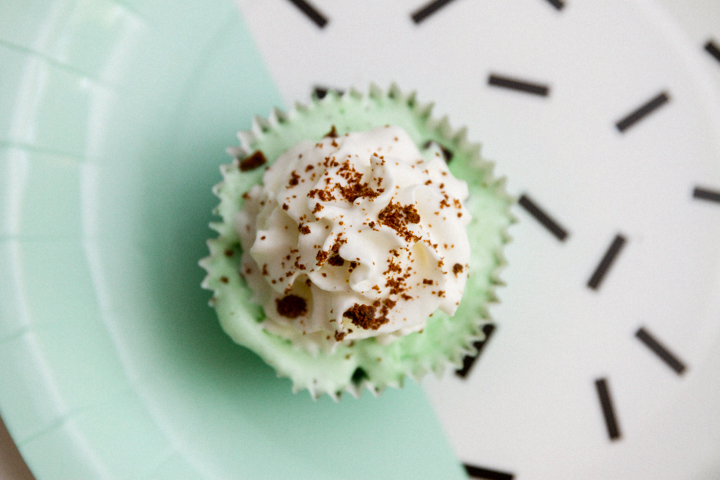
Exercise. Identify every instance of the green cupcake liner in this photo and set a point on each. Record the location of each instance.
(363, 364)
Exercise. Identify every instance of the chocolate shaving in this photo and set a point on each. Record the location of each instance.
(411, 214)
(354, 188)
(252, 162)
(336, 261)
(323, 195)
(357, 190)
(338, 243)
(291, 306)
(397, 217)
(457, 268)
(396, 285)
(294, 178)
(332, 133)
(363, 316)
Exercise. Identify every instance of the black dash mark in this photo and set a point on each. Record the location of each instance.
(542, 217)
(424, 12)
(485, 473)
(704, 194)
(606, 262)
(468, 361)
(320, 92)
(712, 48)
(642, 112)
(607, 408)
(557, 4)
(660, 350)
(518, 85)
(312, 13)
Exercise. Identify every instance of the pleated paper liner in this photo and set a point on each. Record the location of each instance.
(364, 364)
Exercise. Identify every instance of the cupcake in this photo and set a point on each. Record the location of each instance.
(359, 243)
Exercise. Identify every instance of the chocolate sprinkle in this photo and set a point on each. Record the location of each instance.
(364, 315)
(321, 257)
(291, 306)
(332, 133)
(295, 178)
(397, 217)
(336, 261)
(252, 162)
(351, 191)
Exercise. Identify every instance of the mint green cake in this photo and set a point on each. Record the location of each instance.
(340, 316)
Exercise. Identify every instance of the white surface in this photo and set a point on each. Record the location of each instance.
(530, 406)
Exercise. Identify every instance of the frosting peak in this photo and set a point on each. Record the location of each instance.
(355, 236)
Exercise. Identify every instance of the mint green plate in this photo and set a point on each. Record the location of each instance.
(114, 117)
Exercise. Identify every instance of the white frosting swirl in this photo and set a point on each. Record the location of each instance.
(356, 236)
